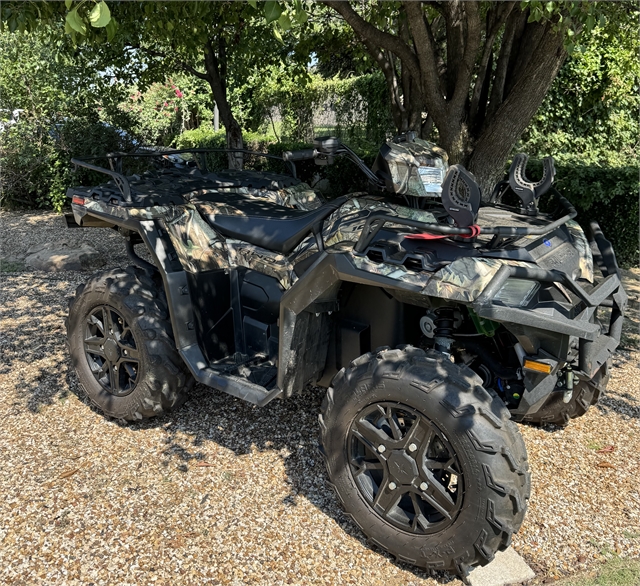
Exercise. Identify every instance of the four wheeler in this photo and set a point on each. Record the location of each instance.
(434, 321)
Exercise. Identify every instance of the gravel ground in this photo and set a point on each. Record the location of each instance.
(225, 493)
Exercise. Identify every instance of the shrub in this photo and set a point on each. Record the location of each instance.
(35, 159)
(608, 195)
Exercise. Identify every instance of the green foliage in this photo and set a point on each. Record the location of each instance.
(589, 124)
(363, 118)
(50, 80)
(60, 93)
(164, 110)
(591, 113)
(608, 195)
(35, 159)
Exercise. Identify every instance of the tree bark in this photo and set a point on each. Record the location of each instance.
(494, 145)
(479, 101)
(215, 69)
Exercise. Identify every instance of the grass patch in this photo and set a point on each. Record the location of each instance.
(10, 266)
(616, 572)
(594, 446)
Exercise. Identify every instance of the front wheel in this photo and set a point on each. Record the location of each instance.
(424, 459)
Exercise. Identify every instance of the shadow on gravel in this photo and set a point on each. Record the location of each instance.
(32, 338)
(290, 427)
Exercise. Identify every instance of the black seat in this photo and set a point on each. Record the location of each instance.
(270, 225)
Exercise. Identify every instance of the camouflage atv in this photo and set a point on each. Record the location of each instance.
(433, 321)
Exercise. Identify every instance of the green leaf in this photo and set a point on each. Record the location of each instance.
(284, 21)
(67, 28)
(277, 35)
(252, 3)
(169, 26)
(111, 29)
(272, 10)
(68, 4)
(75, 22)
(301, 16)
(100, 15)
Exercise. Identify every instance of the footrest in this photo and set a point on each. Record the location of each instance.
(239, 387)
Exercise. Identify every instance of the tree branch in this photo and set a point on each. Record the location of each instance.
(495, 20)
(390, 77)
(471, 44)
(370, 33)
(514, 21)
(425, 48)
(181, 64)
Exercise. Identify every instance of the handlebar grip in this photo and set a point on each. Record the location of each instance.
(301, 155)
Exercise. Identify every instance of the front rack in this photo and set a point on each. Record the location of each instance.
(375, 222)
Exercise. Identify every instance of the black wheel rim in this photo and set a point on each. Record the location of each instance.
(405, 468)
(111, 351)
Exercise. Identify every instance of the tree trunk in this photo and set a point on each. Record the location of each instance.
(215, 76)
(478, 123)
(494, 145)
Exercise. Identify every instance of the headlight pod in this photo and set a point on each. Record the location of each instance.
(516, 292)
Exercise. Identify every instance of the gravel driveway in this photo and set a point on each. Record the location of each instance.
(222, 492)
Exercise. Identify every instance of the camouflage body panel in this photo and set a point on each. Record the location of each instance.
(406, 160)
(198, 246)
(465, 278)
(462, 281)
(299, 196)
(346, 223)
(268, 262)
(212, 209)
(582, 246)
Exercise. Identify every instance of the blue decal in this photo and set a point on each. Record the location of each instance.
(547, 242)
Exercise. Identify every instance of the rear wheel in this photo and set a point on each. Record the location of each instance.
(424, 459)
(122, 346)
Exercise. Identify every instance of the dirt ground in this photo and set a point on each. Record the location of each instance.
(222, 492)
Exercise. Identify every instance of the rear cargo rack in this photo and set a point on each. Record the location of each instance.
(122, 181)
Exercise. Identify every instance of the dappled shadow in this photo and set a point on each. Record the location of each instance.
(289, 426)
(32, 338)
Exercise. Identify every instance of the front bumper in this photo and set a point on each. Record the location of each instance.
(596, 343)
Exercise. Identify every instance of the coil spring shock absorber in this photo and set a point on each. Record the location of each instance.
(444, 329)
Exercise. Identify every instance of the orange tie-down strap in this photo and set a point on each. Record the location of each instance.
(475, 231)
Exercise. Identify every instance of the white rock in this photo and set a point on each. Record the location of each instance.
(508, 567)
(58, 256)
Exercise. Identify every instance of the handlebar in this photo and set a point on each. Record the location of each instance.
(300, 155)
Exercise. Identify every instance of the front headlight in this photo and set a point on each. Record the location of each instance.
(517, 292)
(432, 178)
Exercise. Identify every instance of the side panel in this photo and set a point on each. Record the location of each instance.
(369, 317)
(211, 296)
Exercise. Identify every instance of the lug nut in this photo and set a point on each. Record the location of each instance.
(392, 486)
(115, 368)
(124, 352)
(413, 447)
(381, 448)
(101, 347)
(424, 486)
